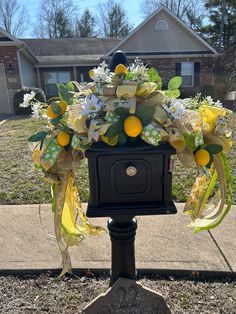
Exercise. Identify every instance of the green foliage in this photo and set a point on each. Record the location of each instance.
(56, 109)
(19, 97)
(122, 139)
(153, 76)
(172, 93)
(86, 25)
(113, 19)
(212, 30)
(114, 129)
(190, 140)
(214, 148)
(145, 113)
(175, 83)
(37, 137)
(122, 112)
(65, 92)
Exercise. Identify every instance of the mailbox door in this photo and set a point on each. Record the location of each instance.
(144, 184)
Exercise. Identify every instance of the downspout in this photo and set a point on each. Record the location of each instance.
(19, 64)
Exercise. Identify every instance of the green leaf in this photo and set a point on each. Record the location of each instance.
(214, 148)
(122, 112)
(172, 93)
(55, 108)
(122, 139)
(190, 140)
(175, 83)
(64, 93)
(114, 129)
(153, 75)
(129, 76)
(159, 83)
(40, 136)
(56, 120)
(70, 87)
(145, 113)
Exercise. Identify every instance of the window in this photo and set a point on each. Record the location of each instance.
(52, 78)
(161, 25)
(187, 73)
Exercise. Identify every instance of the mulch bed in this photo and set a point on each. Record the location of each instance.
(45, 294)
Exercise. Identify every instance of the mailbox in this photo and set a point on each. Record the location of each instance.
(133, 180)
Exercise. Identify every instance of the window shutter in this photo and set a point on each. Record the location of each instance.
(196, 73)
(178, 68)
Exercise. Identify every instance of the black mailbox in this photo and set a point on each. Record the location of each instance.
(132, 180)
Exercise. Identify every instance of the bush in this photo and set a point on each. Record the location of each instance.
(208, 90)
(19, 97)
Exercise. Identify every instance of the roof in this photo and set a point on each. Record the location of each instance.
(7, 36)
(71, 51)
(148, 19)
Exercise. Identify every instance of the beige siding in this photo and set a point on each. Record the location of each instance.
(28, 72)
(176, 38)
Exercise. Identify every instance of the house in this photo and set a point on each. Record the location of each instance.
(162, 41)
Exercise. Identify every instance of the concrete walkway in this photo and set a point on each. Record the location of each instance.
(163, 244)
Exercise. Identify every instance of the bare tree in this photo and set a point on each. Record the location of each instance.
(190, 11)
(13, 17)
(55, 19)
(113, 19)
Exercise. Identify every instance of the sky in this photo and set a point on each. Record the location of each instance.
(132, 8)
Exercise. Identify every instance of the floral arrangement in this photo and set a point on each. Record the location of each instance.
(122, 106)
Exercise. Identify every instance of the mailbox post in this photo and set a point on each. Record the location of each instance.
(125, 182)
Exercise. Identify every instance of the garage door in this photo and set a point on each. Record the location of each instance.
(4, 99)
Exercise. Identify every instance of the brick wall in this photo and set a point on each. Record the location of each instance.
(8, 56)
(166, 68)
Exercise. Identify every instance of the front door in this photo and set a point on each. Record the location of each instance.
(4, 99)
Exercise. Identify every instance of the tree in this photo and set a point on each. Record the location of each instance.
(13, 17)
(85, 25)
(113, 20)
(221, 30)
(189, 11)
(55, 19)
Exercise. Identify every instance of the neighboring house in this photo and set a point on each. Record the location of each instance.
(162, 41)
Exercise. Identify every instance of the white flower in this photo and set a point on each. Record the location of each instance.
(101, 74)
(174, 108)
(27, 99)
(92, 104)
(36, 110)
(139, 71)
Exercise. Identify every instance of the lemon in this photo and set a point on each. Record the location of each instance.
(63, 106)
(120, 69)
(132, 126)
(202, 157)
(63, 138)
(50, 113)
(91, 74)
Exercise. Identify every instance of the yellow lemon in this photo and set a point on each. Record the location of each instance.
(50, 113)
(132, 126)
(202, 157)
(91, 74)
(63, 138)
(63, 106)
(120, 69)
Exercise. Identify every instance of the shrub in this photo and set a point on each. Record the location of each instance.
(19, 96)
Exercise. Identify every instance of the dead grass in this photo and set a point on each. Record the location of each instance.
(20, 183)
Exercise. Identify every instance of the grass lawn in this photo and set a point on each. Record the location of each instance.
(20, 183)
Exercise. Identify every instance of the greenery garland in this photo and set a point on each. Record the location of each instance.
(122, 106)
